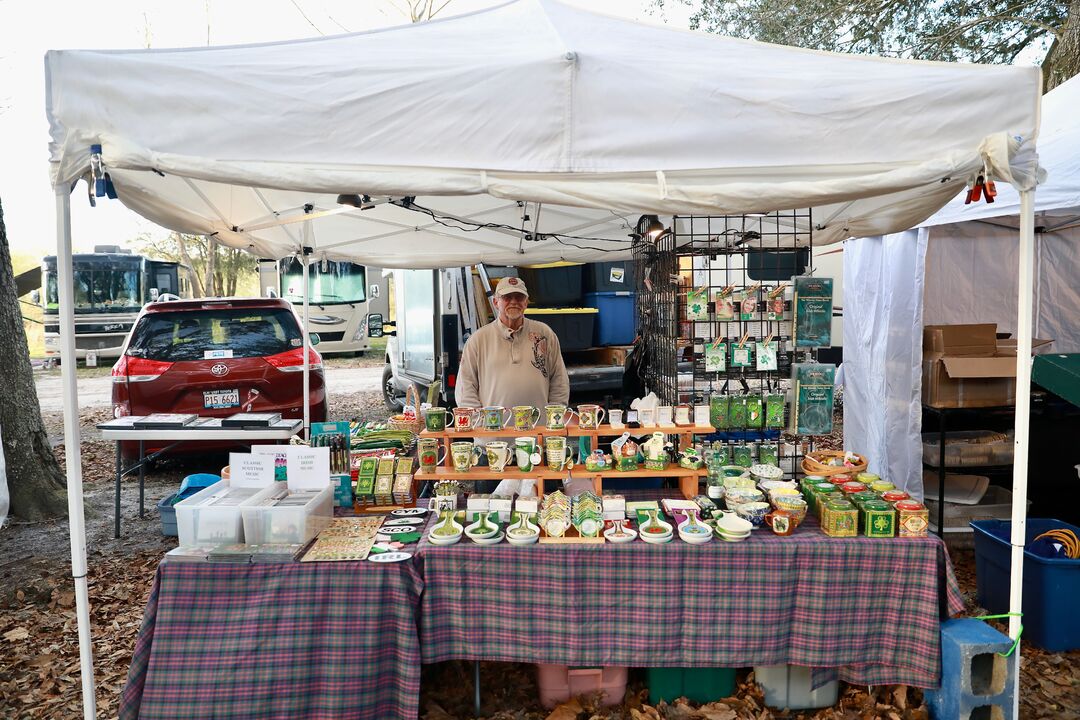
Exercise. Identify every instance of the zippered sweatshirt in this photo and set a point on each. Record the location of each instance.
(507, 367)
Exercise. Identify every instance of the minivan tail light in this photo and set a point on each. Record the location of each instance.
(293, 360)
(135, 369)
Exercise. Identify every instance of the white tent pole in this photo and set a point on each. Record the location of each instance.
(73, 455)
(307, 335)
(1023, 419)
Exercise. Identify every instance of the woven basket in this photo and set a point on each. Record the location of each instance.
(402, 422)
(815, 463)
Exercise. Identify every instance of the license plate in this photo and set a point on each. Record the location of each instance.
(215, 399)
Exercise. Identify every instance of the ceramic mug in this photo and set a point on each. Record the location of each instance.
(525, 454)
(665, 415)
(557, 416)
(465, 455)
(525, 417)
(498, 454)
(435, 419)
(590, 416)
(615, 417)
(465, 418)
(494, 417)
(781, 522)
(682, 414)
(428, 451)
(556, 451)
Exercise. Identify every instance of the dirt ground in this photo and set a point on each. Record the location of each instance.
(39, 659)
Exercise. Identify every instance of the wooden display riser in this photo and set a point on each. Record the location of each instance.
(688, 479)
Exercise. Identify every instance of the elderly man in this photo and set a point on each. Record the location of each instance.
(514, 360)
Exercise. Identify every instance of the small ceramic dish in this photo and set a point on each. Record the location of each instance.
(753, 512)
(730, 471)
(530, 539)
(696, 536)
(493, 540)
(766, 472)
(732, 524)
(614, 535)
(471, 530)
(444, 539)
(657, 539)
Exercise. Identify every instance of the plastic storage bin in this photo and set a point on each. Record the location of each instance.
(289, 524)
(573, 326)
(558, 683)
(199, 524)
(616, 321)
(1051, 585)
(554, 284)
(616, 276)
(696, 684)
(168, 515)
(791, 687)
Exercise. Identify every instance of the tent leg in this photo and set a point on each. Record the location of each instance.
(73, 461)
(1023, 418)
(307, 336)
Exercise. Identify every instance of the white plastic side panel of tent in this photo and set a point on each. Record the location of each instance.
(883, 354)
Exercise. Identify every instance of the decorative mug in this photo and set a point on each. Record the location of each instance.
(498, 454)
(555, 447)
(525, 417)
(465, 418)
(664, 415)
(590, 416)
(435, 419)
(557, 416)
(494, 417)
(781, 522)
(428, 451)
(525, 453)
(615, 418)
(465, 455)
(682, 414)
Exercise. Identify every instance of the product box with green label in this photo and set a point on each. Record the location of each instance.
(813, 386)
(813, 306)
(336, 437)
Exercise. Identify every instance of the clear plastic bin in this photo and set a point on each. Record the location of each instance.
(289, 524)
(212, 516)
(791, 687)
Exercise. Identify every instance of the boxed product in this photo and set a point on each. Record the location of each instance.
(967, 366)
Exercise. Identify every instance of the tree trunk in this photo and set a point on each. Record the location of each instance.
(1065, 57)
(196, 281)
(211, 257)
(35, 482)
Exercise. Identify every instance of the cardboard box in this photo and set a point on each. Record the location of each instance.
(966, 366)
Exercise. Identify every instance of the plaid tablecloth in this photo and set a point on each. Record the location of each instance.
(299, 640)
(866, 607)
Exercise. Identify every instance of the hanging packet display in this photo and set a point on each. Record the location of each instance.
(766, 354)
(813, 411)
(813, 308)
(715, 357)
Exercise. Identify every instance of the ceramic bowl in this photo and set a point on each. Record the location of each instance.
(769, 485)
(766, 472)
(753, 512)
(731, 524)
(734, 471)
(739, 496)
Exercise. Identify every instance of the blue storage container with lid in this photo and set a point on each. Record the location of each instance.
(1051, 585)
(616, 322)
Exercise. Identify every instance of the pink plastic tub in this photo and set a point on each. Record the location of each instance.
(559, 683)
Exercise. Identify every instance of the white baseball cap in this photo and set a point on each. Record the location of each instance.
(510, 285)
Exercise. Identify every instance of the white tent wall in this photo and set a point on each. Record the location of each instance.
(882, 366)
(971, 277)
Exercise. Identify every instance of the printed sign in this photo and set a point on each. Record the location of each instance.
(308, 468)
(251, 469)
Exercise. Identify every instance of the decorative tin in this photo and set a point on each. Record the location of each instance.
(877, 519)
(894, 496)
(839, 519)
(913, 519)
(850, 488)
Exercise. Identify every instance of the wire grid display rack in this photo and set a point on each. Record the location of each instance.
(720, 258)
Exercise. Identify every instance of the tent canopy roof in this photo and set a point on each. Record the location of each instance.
(1057, 202)
(596, 118)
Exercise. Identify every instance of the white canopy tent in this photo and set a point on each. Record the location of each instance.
(588, 120)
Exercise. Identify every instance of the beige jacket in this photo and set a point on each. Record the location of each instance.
(504, 367)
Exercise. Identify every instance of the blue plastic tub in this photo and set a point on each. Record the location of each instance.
(616, 323)
(1051, 585)
(168, 514)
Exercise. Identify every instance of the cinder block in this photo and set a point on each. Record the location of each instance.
(976, 682)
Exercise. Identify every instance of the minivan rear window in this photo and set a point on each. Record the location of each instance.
(247, 332)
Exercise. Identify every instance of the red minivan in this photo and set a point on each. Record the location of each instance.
(216, 357)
